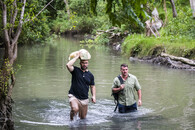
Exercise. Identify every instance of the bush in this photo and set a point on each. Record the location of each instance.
(102, 39)
(182, 25)
(35, 32)
(77, 23)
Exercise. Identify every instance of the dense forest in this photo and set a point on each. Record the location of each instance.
(140, 28)
(41, 19)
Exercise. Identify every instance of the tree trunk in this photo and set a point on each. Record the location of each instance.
(11, 35)
(67, 8)
(165, 9)
(6, 121)
(192, 4)
(173, 8)
(182, 59)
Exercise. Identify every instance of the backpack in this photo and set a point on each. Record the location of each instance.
(115, 95)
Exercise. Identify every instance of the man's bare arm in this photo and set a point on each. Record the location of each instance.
(93, 93)
(69, 65)
(139, 97)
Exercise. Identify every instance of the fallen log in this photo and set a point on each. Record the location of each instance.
(182, 59)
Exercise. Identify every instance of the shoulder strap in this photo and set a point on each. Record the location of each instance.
(116, 94)
(121, 80)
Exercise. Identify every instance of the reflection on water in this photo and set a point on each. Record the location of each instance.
(42, 85)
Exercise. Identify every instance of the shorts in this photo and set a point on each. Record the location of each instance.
(78, 105)
(82, 102)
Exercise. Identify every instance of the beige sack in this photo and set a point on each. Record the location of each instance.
(73, 55)
(84, 54)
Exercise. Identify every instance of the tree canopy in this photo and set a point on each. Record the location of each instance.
(124, 11)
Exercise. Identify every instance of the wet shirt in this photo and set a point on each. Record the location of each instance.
(127, 96)
(80, 83)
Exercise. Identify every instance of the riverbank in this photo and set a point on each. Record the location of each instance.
(150, 49)
(161, 51)
(173, 53)
(165, 61)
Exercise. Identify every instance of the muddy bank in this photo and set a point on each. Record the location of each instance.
(158, 59)
(165, 61)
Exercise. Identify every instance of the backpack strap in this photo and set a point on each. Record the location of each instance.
(121, 81)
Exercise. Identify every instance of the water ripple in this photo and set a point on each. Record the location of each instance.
(56, 113)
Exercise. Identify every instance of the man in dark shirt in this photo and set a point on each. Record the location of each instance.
(82, 80)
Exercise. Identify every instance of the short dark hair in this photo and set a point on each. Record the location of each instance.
(124, 65)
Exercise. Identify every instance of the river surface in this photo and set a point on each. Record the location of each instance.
(43, 82)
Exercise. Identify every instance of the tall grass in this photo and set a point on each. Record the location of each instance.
(141, 46)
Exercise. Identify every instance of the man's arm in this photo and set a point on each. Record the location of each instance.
(69, 65)
(139, 93)
(115, 90)
(93, 93)
(117, 86)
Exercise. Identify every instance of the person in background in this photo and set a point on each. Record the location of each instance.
(82, 80)
(127, 90)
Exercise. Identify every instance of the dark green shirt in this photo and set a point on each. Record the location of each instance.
(127, 96)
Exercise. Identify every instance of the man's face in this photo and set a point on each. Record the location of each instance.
(84, 64)
(124, 71)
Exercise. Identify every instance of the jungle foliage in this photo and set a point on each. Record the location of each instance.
(126, 15)
(81, 19)
(177, 36)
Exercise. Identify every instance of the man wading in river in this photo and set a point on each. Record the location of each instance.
(82, 78)
(125, 85)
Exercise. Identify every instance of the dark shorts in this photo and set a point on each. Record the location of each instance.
(125, 109)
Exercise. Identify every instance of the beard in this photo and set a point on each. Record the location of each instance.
(125, 74)
(84, 67)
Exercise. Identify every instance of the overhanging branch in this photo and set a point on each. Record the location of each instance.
(4, 20)
(39, 12)
(17, 34)
(14, 13)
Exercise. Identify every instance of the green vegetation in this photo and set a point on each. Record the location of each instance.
(177, 36)
(141, 46)
(81, 20)
(81, 24)
(182, 26)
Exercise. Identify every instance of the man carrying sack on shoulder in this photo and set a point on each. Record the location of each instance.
(126, 90)
(82, 79)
